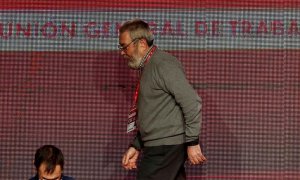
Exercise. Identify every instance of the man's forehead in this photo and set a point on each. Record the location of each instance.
(49, 176)
(124, 37)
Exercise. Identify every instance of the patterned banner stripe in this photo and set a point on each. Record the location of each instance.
(96, 4)
(174, 30)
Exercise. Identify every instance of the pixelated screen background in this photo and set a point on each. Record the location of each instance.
(63, 82)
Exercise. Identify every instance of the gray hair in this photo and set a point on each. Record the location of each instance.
(138, 29)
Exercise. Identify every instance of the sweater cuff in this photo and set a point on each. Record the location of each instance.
(137, 142)
(192, 143)
(135, 147)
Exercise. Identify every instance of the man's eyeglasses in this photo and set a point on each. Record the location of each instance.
(124, 48)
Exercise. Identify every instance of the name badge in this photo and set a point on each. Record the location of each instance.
(132, 117)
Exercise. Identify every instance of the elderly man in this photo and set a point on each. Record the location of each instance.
(166, 110)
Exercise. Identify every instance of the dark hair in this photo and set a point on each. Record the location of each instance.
(138, 29)
(51, 156)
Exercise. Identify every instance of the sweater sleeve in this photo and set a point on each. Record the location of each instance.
(137, 142)
(172, 79)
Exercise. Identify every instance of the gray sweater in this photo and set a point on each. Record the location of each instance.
(169, 109)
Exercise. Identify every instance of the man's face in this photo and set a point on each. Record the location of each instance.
(130, 51)
(56, 175)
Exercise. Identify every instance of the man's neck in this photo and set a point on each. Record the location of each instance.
(146, 53)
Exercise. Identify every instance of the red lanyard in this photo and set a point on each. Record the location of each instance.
(136, 94)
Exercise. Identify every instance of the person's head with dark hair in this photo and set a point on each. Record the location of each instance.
(135, 41)
(49, 163)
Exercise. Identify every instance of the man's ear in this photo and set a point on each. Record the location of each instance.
(143, 43)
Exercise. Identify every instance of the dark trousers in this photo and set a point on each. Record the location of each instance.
(163, 163)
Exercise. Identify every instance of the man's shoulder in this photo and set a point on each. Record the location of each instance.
(161, 58)
(162, 53)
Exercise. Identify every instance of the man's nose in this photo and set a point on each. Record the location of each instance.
(122, 53)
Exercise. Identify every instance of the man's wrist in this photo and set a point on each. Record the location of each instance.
(133, 146)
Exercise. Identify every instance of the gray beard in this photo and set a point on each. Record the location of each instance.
(135, 64)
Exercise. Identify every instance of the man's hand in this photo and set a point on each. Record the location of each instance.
(130, 158)
(195, 155)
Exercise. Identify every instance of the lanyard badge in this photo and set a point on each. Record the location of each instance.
(132, 116)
